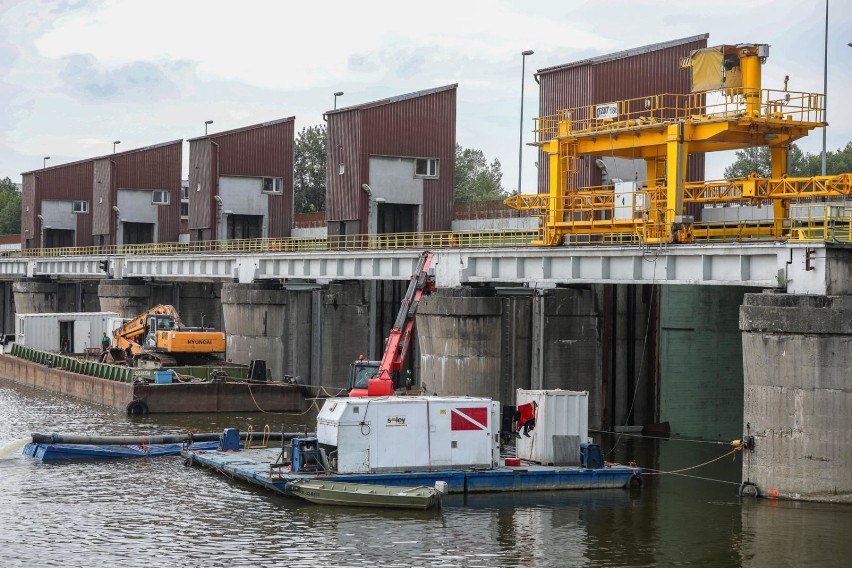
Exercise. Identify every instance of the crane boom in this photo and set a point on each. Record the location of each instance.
(399, 339)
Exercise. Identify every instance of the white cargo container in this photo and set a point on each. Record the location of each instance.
(46, 331)
(407, 433)
(561, 425)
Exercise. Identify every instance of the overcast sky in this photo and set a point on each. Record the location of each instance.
(75, 75)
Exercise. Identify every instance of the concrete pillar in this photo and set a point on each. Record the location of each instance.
(127, 298)
(460, 344)
(7, 305)
(34, 297)
(566, 346)
(343, 331)
(264, 321)
(797, 353)
(192, 300)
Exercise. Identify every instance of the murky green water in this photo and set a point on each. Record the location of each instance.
(156, 512)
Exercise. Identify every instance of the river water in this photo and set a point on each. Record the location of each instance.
(157, 512)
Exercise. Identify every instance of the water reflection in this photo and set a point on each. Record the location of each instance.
(158, 512)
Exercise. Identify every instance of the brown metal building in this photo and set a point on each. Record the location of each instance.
(639, 72)
(123, 198)
(391, 164)
(241, 182)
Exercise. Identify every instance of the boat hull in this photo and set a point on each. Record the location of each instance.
(255, 466)
(363, 495)
(78, 452)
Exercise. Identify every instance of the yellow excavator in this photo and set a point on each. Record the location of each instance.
(158, 338)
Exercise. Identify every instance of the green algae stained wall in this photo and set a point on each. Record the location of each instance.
(701, 361)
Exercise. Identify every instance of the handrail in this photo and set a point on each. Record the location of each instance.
(656, 110)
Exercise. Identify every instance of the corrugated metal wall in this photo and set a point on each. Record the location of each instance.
(69, 182)
(102, 213)
(343, 190)
(200, 186)
(263, 150)
(651, 71)
(28, 209)
(421, 126)
(157, 167)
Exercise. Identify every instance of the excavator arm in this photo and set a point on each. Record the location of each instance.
(124, 336)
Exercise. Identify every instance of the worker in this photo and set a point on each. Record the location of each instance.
(65, 345)
(128, 356)
(105, 343)
(526, 417)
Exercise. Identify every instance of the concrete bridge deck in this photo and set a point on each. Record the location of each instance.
(803, 268)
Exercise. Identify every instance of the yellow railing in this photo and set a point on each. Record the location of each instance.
(643, 112)
(389, 241)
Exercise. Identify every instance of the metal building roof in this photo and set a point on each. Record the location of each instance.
(242, 129)
(395, 99)
(116, 154)
(624, 54)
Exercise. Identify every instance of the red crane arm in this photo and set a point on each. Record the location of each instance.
(399, 338)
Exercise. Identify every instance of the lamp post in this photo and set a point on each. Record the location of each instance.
(337, 94)
(206, 124)
(114, 143)
(44, 162)
(521, 133)
(825, 87)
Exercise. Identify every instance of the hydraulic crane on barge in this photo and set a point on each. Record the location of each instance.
(376, 378)
(726, 110)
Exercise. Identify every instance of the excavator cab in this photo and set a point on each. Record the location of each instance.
(157, 323)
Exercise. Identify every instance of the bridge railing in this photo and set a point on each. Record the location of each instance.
(385, 241)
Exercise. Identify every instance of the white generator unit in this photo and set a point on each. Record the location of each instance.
(408, 433)
(561, 425)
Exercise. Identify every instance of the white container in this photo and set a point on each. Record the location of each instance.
(409, 433)
(45, 331)
(561, 425)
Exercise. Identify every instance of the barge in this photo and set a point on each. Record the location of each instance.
(223, 388)
(418, 441)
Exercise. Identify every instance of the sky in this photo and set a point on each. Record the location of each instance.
(76, 75)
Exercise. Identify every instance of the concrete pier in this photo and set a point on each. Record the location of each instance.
(265, 321)
(460, 344)
(128, 298)
(797, 356)
(34, 296)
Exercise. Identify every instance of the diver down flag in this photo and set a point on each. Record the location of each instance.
(469, 418)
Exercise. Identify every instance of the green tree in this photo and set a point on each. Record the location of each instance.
(801, 164)
(476, 179)
(309, 178)
(10, 208)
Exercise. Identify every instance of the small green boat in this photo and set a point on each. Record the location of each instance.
(367, 495)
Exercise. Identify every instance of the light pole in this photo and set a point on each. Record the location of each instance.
(337, 94)
(44, 162)
(206, 124)
(825, 87)
(114, 143)
(521, 133)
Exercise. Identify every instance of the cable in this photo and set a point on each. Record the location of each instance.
(660, 472)
(662, 438)
(641, 361)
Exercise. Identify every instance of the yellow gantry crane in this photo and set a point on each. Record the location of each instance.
(726, 110)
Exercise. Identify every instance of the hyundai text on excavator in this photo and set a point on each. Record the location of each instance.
(377, 378)
(158, 338)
